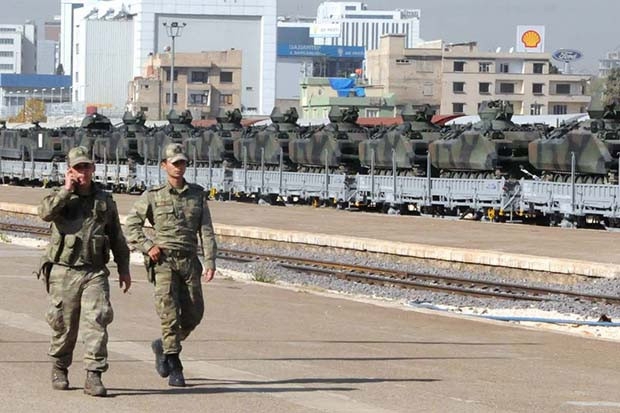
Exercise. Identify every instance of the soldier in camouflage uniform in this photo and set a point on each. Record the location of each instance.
(178, 212)
(85, 227)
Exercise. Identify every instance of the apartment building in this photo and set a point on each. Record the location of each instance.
(455, 78)
(203, 83)
(18, 48)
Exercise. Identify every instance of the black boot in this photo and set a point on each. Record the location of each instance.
(176, 378)
(60, 381)
(93, 384)
(161, 365)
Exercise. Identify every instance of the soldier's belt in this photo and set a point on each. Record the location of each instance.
(178, 253)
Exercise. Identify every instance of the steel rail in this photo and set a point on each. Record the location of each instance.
(385, 277)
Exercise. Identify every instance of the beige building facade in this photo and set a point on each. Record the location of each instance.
(203, 83)
(455, 78)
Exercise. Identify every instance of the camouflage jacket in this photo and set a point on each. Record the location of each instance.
(177, 216)
(84, 229)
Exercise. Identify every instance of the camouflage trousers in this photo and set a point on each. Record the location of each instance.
(77, 296)
(178, 299)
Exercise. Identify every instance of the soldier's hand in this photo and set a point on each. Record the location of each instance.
(155, 253)
(126, 280)
(208, 274)
(70, 180)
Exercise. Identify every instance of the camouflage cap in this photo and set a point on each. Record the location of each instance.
(173, 152)
(78, 155)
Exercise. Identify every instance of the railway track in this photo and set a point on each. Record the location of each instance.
(386, 277)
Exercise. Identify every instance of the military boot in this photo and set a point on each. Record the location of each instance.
(176, 378)
(93, 384)
(60, 381)
(161, 364)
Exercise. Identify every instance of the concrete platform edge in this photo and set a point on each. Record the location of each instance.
(431, 252)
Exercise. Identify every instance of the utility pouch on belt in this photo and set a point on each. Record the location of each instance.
(100, 250)
(150, 269)
(69, 250)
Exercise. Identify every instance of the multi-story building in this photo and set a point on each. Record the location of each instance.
(611, 61)
(249, 26)
(203, 83)
(457, 77)
(49, 48)
(298, 58)
(352, 24)
(18, 48)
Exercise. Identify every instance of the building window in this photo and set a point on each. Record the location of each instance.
(506, 88)
(484, 88)
(226, 99)
(372, 113)
(6, 54)
(459, 66)
(200, 98)
(402, 61)
(504, 68)
(145, 86)
(560, 109)
(458, 108)
(539, 68)
(484, 67)
(176, 75)
(168, 98)
(427, 89)
(458, 87)
(199, 77)
(537, 88)
(144, 108)
(535, 108)
(226, 77)
(6, 41)
(77, 48)
(6, 66)
(562, 89)
(77, 77)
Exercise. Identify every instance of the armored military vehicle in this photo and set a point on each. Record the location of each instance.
(36, 143)
(334, 146)
(216, 143)
(595, 144)
(98, 135)
(136, 137)
(491, 148)
(404, 146)
(269, 145)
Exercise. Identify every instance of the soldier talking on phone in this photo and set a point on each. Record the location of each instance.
(85, 227)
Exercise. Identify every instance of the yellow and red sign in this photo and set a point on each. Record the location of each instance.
(531, 39)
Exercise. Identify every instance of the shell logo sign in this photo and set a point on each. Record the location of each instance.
(531, 39)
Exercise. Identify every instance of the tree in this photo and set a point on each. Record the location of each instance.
(612, 86)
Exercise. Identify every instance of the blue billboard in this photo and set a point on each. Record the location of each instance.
(309, 50)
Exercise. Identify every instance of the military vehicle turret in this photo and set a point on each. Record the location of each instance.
(491, 148)
(269, 145)
(335, 145)
(404, 146)
(595, 144)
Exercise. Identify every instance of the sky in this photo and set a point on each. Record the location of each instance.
(590, 27)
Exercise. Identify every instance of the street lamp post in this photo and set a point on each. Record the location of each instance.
(173, 30)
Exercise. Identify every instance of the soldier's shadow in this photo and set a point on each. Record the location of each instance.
(209, 386)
